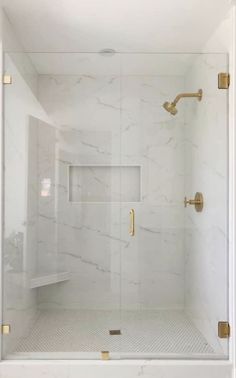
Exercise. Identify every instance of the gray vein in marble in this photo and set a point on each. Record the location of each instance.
(152, 160)
(219, 174)
(162, 144)
(135, 283)
(55, 80)
(100, 102)
(129, 126)
(66, 162)
(96, 148)
(190, 142)
(91, 263)
(150, 230)
(83, 227)
(86, 77)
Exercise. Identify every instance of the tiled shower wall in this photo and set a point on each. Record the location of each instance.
(119, 120)
(206, 159)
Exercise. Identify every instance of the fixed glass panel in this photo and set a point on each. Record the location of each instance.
(61, 255)
(174, 275)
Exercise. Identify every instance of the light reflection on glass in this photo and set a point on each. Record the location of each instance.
(46, 187)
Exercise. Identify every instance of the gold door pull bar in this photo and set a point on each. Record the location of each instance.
(132, 223)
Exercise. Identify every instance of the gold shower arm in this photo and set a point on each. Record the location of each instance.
(181, 95)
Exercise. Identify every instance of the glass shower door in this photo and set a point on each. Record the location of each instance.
(174, 267)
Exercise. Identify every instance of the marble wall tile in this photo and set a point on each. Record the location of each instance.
(113, 120)
(84, 102)
(154, 258)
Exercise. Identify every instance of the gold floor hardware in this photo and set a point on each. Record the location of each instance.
(197, 202)
(114, 332)
(223, 330)
(223, 80)
(132, 223)
(105, 355)
(6, 329)
(7, 79)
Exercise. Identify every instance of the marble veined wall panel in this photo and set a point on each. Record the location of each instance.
(119, 120)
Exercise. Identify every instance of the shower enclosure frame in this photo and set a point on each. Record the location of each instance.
(193, 368)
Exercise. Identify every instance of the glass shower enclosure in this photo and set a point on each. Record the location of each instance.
(103, 256)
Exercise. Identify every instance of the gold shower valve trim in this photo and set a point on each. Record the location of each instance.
(197, 202)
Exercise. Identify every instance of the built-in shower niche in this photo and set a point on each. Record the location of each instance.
(44, 265)
(104, 183)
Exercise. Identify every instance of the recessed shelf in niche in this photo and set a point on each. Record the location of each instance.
(104, 183)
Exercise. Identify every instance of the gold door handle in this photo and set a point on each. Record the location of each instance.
(132, 223)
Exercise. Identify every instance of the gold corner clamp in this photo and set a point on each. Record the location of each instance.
(223, 80)
(132, 222)
(223, 330)
(7, 79)
(6, 329)
(105, 355)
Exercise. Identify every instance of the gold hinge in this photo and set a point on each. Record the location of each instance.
(6, 329)
(223, 330)
(7, 79)
(223, 80)
(105, 355)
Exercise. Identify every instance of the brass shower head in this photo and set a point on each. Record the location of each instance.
(171, 106)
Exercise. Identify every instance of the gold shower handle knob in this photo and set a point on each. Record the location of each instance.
(197, 202)
(186, 202)
(190, 202)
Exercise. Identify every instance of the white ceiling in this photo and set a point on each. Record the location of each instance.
(123, 25)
